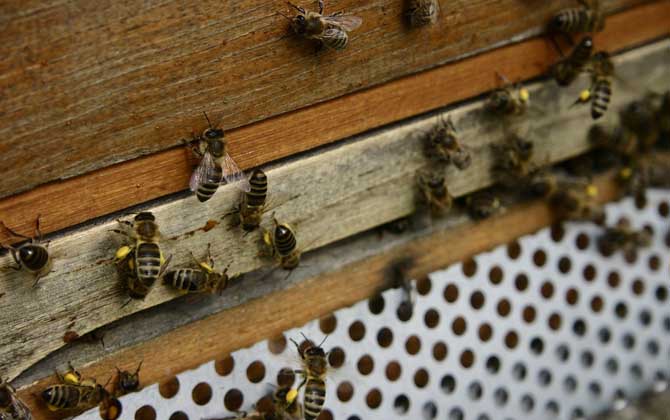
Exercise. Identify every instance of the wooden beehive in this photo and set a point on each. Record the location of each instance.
(97, 99)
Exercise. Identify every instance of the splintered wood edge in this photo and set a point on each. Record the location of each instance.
(80, 199)
(328, 196)
(198, 342)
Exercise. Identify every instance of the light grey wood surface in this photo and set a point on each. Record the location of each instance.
(328, 195)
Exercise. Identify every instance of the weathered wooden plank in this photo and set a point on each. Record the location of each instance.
(328, 196)
(96, 194)
(358, 272)
(93, 85)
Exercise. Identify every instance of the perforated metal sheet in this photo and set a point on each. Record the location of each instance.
(546, 327)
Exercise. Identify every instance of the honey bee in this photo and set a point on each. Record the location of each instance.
(313, 372)
(31, 256)
(433, 192)
(616, 142)
(422, 12)
(441, 145)
(331, 31)
(600, 92)
(127, 382)
(399, 277)
(215, 165)
(641, 118)
(634, 178)
(73, 392)
(575, 201)
(282, 245)
(252, 204)
(285, 404)
(588, 18)
(513, 159)
(566, 71)
(541, 184)
(482, 204)
(508, 100)
(623, 237)
(198, 280)
(11, 407)
(142, 263)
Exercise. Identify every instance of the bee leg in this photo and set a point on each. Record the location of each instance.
(321, 6)
(127, 302)
(164, 266)
(12, 251)
(37, 229)
(209, 256)
(38, 276)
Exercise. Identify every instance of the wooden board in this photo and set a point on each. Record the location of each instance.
(80, 199)
(331, 195)
(189, 346)
(88, 85)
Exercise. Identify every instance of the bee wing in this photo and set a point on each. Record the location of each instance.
(233, 174)
(346, 22)
(200, 173)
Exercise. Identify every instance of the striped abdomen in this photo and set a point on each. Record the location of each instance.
(602, 92)
(147, 268)
(62, 397)
(335, 38)
(284, 240)
(575, 20)
(208, 187)
(254, 201)
(423, 12)
(34, 257)
(186, 279)
(315, 398)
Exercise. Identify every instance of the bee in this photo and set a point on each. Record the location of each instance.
(541, 184)
(513, 159)
(634, 178)
(285, 404)
(566, 71)
(399, 277)
(623, 237)
(433, 192)
(422, 12)
(506, 101)
(73, 392)
(575, 201)
(127, 382)
(215, 165)
(600, 92)
(640, 117)
(198, 280)
(142, 263)
(482, 204)
(253, 201)
(612, 144)
(110, 408)
(11, 407)
(331, 31)
(282, 245)
(441, 145)
(31, 256)
(588, 18)
(313, 372)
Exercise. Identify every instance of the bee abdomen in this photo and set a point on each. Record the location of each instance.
(285, 244)
(315, 398)
(602, 92)
(259, 189)
(61, 396)
(186, 279)
(573, 20)
(209, 186)
(36, 258)
(148, 258)
(338, 41)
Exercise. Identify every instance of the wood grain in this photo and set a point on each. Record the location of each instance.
(77, 200)
(189, 346)
(90, 85)
(333, 194)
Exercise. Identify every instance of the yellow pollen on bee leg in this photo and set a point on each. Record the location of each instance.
(291, 395)
(592, 191)
(524, 95)
(584, 95)
(206, 267)
(626, 173)
(71, 378)
(122, 252)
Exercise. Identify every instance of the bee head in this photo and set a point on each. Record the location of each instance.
(299, 24)
(259, 176)
(315, 351)
(214, 139)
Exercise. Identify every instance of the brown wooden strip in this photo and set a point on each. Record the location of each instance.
(189, 346)
(88, 85)
(114, 188)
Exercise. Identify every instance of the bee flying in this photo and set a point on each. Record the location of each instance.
(331, 31)
(216, 165)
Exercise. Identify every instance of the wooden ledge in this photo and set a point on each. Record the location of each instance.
(114, 188)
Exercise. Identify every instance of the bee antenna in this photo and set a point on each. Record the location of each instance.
(304, 336)
(207, 118)
(139, 367)
(286, 16)
(324, 340)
